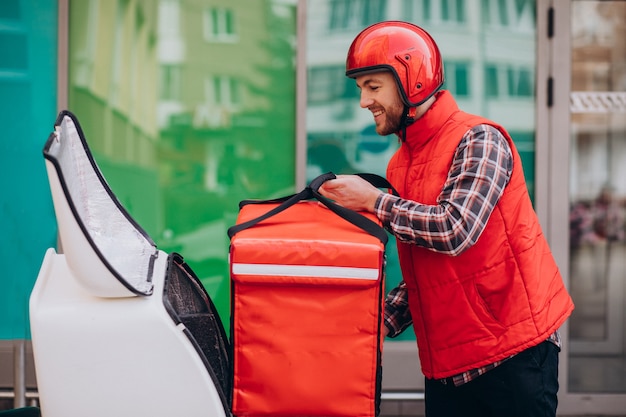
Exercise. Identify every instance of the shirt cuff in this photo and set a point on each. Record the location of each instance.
(383, 206)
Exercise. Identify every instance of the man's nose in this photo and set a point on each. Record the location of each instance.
(365, 101)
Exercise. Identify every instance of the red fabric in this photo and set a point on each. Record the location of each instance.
(305, 345)
(499, 297)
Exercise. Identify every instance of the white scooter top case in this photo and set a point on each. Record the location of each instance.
(119, 327)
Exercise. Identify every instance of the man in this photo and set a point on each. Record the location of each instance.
(480, 285)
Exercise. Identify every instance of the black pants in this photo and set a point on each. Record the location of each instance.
(523, 386)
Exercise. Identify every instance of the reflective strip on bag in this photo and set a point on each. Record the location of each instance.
(306, 271)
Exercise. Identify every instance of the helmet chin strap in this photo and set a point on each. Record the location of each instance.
(407, 120)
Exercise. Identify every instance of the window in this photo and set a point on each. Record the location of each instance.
(519, 82)
(170, 82)
(326, 84)
(223, 91)
(449, 11)
(169, 18)
(452, 10)
(417, 11)
(427, 10)
(373, 11)
(517, 14)
(508, 81)
(355, 14)
(503, 13)
(457, 78)
(491, 81)
(219, 25)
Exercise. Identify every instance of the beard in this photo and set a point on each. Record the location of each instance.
(393, 120)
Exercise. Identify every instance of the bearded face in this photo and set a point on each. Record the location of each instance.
(379, 94)
(390, 124)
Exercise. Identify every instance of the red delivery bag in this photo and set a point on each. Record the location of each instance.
(307, 283)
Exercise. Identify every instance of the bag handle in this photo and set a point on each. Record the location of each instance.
(311, 192)
(378, 182)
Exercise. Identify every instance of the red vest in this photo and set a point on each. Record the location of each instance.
(499, 297)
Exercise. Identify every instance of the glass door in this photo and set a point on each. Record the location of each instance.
(585, 194)
(597, 195)
(598, 180)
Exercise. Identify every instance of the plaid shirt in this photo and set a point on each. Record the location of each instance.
(480, 170)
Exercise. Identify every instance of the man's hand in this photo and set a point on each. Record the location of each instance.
(352, 192)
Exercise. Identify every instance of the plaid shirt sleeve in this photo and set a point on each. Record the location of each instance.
(397, 314)
(480, 170)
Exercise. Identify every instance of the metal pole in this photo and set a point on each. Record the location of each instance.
(19, 373)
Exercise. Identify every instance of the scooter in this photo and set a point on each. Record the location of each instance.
(119, 327)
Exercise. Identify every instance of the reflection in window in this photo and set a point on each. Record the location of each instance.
(503, 15)
(519, 82)
(491, 81)
(508, 81)
(117, 63)
(417, 11)
(355, 14)
(165, 145)
(219, 25)
(457, 78)
(84, 48)
(169, 18)
(329, 83)
(481, 69)
(439, 11)
(517, 14)
(170, 82)
(350, 90)
(452, 10)
(224, 91)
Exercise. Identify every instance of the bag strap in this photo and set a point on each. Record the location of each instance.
(311, 192)
(378, 182)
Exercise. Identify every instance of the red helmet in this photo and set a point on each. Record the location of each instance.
(406, 50)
